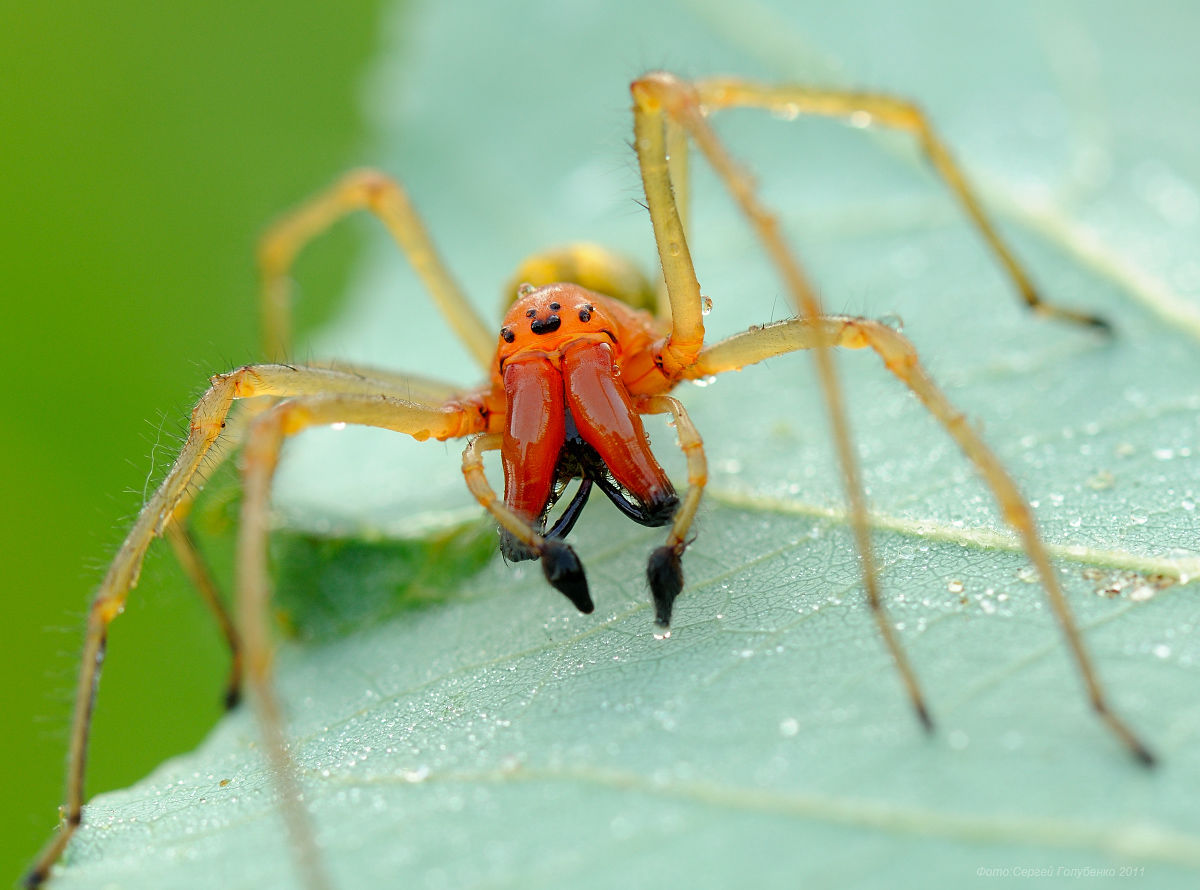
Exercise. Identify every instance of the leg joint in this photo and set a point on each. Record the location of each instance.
(662, 91)
(374, 188)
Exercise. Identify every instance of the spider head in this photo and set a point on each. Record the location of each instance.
(547, 320)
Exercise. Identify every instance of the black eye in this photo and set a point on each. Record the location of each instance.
(531, 313)
(508, 335)
(554, 307)
(584, 314)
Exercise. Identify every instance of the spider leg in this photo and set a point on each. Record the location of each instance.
(901, 359)
(386, 198)
(560, 565)
(188, 553)
(183, 543)
(260, 458)
(179, 535)
(877, 109)
(660, 96)
(665, 570)
(679, 177)
(208, 421)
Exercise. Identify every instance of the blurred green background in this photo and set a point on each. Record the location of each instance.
(144, 147)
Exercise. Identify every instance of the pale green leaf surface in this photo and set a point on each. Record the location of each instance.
(499, 740)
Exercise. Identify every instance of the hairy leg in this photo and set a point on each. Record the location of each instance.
(901, 359)
(208, 421)
(560, 565)
(877, 109)
(659, 97)
(665, 571)
(386, 198)
(260, 458)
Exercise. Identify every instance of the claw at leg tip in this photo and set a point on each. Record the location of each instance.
(1145, 756)
(923, 716)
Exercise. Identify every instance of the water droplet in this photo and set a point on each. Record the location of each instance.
(860, 119)
(705, 305)
(788, 112)
(955, 586)
(420, 774)
(524, 289)
(1163, 453)
(789, 727)
(1101, 481)
(893, 321)
(705, 381)
(340, 425)
(673, 248)
(1139, 518)
(1162, 650)
(1028, 574)
(1188, 504)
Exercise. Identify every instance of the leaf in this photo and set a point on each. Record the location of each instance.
(494, 738)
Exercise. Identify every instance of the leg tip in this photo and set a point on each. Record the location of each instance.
(34, 878)
(924, 718)
(1100, 324)
(1124, 734)
(665, 574)
(233, 698)
(564, 571)
(1144, 756)
(1075, 316)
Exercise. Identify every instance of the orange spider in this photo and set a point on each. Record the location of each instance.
(575, 363)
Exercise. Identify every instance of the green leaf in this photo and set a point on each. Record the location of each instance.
(331, 586)
(494, 738)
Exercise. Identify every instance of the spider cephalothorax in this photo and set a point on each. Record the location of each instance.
(569, 414)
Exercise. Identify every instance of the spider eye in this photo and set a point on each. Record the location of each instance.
(508, 335)
(530, 313)
(554, 307)
(585, 314)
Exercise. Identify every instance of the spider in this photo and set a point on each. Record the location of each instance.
(586, 348)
